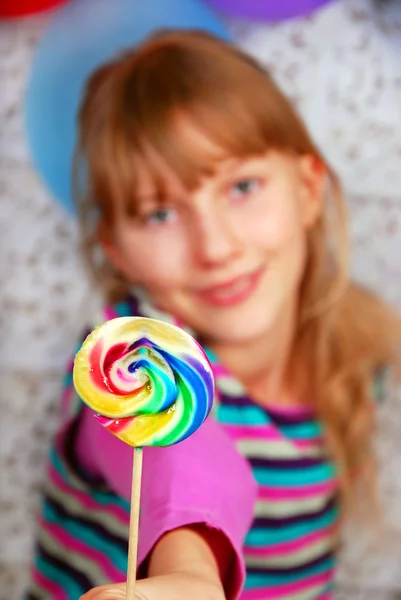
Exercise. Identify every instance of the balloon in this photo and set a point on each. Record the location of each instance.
(10, 9)
(83, 35)
(268, 10)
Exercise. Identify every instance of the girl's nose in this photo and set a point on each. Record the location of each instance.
(214, 239)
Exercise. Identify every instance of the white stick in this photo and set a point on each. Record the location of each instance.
(134, 523)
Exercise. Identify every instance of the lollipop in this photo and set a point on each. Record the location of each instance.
(150, 384)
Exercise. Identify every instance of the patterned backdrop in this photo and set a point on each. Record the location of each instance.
(343, 69)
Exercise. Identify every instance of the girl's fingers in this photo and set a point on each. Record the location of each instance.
(111, 592)
(107, 592)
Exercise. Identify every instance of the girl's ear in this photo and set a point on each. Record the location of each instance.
(314, 180)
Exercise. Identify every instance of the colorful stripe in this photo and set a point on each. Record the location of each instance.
(310, 587)
(43, 585)
(113, 518)
(268, 578)
(291, 553)
(55, 580)
(290, 478)
(258, 535)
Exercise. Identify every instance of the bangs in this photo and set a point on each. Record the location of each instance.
(185, 102)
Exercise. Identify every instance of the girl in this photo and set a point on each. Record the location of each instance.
(208, 204)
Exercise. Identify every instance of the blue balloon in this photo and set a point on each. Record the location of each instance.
(83, 35)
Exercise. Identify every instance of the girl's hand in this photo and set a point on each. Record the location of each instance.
(166, 587)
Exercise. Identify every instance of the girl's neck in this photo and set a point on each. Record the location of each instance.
(264, 366)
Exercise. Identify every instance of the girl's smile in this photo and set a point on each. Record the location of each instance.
(233, 291)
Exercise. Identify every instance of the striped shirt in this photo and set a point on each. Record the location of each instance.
(289, 551)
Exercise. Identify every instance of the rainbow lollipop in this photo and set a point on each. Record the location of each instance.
(150, 384)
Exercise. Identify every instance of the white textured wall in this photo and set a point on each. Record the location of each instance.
(343, 68)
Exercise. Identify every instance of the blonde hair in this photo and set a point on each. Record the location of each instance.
(129, 116)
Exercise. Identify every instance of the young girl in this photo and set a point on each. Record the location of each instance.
(207, 204)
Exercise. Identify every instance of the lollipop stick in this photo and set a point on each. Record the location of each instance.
(134, 522)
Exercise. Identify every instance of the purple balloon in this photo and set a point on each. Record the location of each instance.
(267, 10)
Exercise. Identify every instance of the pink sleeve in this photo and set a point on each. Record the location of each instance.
(201, 480)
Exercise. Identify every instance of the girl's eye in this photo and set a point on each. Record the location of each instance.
(244, 187)
(160, 216)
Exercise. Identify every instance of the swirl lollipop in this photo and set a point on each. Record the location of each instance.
(150, 384)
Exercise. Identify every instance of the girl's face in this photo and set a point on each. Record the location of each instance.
(227, 259)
